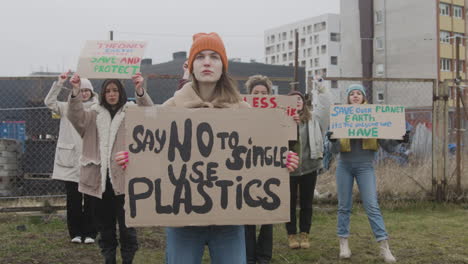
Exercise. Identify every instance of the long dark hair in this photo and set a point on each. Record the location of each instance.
(122, 96)
(304, 114)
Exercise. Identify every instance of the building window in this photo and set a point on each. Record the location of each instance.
(285, 57)
(316, 62)
(311, 63)
(444, 9)
(316, 39)
(324, 49)
(379, 43)
(379, 69)
(273, 59)
(379, 17)
(309, 29)
(444, 37)
(291, 45)
(335, 37)
(318, 50)
(272, 38)
(321, 72)
(303, 63)
(291, 55)
(334, 60)
(309, 52)
(303, 42)
(458, 12)
(380, 96)
(445, 64)
(334, 84)
(320, 26)
(310, 40)
(284, 35)
(304, 53)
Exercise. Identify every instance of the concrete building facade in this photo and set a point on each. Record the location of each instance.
(409, 39)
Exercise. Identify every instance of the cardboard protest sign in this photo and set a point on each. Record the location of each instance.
(367, 121)
(111, 59)
(206, 167)
(284, 102)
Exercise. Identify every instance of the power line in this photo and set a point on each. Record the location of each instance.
(186, 35)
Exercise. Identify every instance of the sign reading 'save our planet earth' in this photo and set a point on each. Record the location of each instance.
(367, 121)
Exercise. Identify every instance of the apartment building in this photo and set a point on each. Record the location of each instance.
(402, 39)
(319, 45)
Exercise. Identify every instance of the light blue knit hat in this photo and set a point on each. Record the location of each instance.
(358, 87)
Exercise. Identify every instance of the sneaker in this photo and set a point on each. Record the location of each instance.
(304, 240)
(386, 253)
(345, 252)
(293, 243)
(89, 240)
(76, 239)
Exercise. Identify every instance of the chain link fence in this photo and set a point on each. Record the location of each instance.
(406, 172)
(29, 130)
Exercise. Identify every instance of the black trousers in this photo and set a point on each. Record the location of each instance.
(79, 212)
(110, 212)
(306, 185)
(259, 249)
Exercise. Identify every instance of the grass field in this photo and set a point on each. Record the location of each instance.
(421, 232)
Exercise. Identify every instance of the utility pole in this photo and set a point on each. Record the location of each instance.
(458, 116)
(296, 62)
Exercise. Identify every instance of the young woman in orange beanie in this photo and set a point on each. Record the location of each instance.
(211, 87)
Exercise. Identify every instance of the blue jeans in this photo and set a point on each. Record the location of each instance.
(365, 178)
(185, 245)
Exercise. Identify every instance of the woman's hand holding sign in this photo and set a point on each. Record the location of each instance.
(138, 81)
(76, 84)
(292, 161)
(121, 158)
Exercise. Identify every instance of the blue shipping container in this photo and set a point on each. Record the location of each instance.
(14, 130)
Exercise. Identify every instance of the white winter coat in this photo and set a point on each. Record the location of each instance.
(69, 143)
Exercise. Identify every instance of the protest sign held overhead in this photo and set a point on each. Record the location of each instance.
(197, 167)
(367, 121)
(284, 102)
(111, 59)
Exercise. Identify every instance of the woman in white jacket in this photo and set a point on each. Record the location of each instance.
(66, 165)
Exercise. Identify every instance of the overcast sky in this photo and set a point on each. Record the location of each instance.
(49, 34)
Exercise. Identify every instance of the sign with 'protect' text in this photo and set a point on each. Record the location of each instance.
(367, 121)
(196, 167)
(111, 59)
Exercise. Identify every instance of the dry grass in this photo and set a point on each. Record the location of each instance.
(395, 181)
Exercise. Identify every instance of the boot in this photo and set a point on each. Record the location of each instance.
(385, 252)
(293, 243)
(345, 252)
(304, 240)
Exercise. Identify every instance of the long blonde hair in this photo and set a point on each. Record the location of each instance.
(226, 90)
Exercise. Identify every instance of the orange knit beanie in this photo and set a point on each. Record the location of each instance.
(204, 41)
